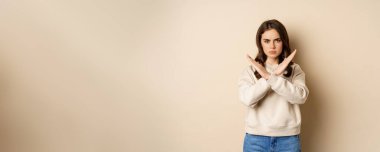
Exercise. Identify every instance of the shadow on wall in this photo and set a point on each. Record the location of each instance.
(4, 109)
(312, 109)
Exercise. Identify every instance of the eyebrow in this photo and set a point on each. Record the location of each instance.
(274, 39)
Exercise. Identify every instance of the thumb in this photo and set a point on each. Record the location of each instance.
(291, 56)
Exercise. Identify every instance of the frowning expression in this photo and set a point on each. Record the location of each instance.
(272, 43)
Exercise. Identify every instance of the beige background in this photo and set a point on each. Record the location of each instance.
(144, 76)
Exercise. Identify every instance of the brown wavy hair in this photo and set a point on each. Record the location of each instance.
(286, 51)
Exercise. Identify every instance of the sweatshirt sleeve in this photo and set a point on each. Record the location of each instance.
(296, 91)
(251, 90)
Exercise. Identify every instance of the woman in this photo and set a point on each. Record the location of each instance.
(272, 88)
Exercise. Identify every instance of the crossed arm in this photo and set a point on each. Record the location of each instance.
(280, 69)
(251, 91)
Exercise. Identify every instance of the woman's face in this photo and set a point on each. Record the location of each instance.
(272, 43)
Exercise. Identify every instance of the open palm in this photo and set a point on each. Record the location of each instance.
(279, 70)
(281, 67)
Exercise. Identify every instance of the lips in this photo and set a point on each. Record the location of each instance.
(272, 52)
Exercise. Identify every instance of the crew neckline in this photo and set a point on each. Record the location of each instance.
(271, 65)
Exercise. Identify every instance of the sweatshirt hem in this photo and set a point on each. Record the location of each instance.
(274, 133)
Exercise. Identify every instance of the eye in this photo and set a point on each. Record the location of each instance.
(278, 40)
(266, 41)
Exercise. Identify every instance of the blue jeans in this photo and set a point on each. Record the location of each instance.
(255, 143)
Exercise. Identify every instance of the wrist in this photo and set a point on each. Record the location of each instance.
(267, 76)
(277, 73)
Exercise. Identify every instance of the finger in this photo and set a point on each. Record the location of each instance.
(255, 65)
(249, 57)
(291, 56)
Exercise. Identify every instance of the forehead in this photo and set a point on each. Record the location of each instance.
(270, 34)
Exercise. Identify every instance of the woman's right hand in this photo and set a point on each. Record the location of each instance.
(259, 68)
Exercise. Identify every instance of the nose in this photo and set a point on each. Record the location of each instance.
(272, 45)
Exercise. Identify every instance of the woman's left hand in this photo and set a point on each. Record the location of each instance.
(281, 67)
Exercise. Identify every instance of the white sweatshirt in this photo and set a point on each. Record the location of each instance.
(273, 104)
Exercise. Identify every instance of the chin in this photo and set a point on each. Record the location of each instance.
(273, 56)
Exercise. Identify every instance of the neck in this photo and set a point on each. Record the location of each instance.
(272, 61)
